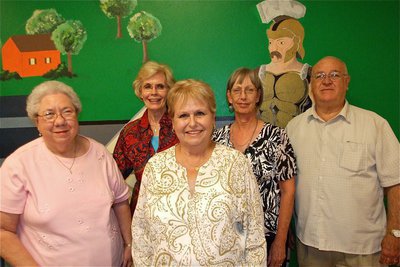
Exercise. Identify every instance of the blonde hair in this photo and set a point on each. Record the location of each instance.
(50, 88)
(149, 69)
(190, 89)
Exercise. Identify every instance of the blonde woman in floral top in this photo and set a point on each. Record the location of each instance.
(199, 203)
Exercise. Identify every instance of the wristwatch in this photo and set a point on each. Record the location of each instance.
(396, 233)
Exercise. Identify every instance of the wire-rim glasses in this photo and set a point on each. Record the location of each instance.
(50, 116)
(333, 76)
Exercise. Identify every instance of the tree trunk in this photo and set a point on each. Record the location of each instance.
(69, 58)
(119, 33)
(145, 57)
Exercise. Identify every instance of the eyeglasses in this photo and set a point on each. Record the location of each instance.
(149, 87)
(333, 76)
(248, 91)
(50, 116)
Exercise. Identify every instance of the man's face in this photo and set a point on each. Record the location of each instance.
(329, 92)
(278, 48)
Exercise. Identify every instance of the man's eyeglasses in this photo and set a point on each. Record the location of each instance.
(333, 76)
(248, 91)
(50, 116)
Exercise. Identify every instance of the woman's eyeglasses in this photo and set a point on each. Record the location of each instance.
(50, 116)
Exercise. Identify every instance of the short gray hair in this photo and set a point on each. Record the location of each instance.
(50, 88)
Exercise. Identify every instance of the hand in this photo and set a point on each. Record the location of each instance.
(277, 254)
(390, 253)
(127, 257)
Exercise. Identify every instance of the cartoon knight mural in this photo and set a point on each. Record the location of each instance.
(284, 79)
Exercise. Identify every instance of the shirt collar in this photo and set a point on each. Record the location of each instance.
(144, 121)
(345, 113)
(145, 124)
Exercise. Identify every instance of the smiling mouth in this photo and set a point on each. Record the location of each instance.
(245, 105)
(193, 132)
(61, 132)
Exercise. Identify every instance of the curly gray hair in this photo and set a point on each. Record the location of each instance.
(49, 88)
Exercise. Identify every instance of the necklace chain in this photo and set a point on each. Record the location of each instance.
(154, 127)
(247, 143)
(73, 161)
(200, 163)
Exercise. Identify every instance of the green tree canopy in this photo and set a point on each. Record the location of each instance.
(118, 9)
(69, 38)
(43, 21)
(144, 27)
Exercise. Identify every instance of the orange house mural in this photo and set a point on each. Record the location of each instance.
(30, 55)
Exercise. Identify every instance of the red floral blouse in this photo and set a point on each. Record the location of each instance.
(134, 149)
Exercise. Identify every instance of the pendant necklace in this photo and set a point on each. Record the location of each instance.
(73, 161)
(154, 127)
(247, 143)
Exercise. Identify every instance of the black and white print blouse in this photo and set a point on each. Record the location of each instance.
(273, 160)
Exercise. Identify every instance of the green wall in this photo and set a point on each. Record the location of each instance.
(207, 40)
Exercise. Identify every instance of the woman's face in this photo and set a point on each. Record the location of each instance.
(154, 92)
(193, 123)
(244, 96)
(57, 120)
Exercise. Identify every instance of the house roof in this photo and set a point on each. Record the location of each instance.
(35, 42)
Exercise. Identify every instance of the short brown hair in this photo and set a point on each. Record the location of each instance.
(238, 76)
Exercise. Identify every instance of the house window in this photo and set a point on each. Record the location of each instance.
(32, 61)
(47, 60)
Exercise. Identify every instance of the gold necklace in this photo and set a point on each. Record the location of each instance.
(200, 162)
(154, 126)
(247, 143)
(73, 161)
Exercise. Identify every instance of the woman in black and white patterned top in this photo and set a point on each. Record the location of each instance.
(271, 155)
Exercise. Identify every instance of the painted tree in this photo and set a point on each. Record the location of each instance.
(69, 38)
(144, 27)
(118, 9)
(43, 21)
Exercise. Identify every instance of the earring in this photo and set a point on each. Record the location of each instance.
(231, 108)
(40, 134)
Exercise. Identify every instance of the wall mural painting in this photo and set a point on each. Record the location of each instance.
(143, 27)
(29, 55)
(284, 79)
(118, 9)
(37, 53)
(49, 34)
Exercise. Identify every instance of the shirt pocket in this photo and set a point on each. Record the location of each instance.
(353, 156)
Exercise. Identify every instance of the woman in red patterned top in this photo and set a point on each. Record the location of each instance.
(140, 139)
